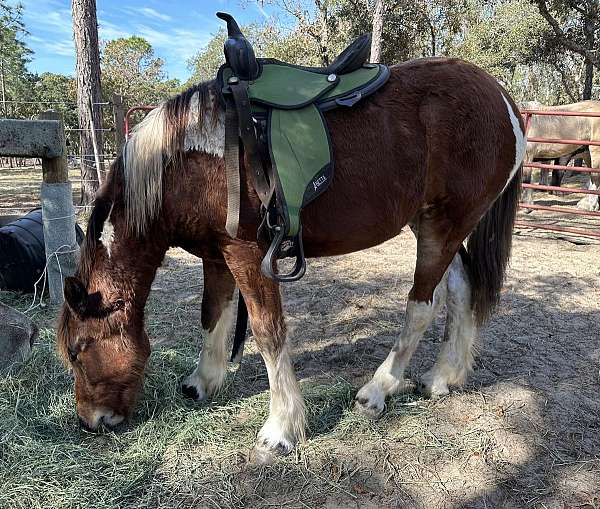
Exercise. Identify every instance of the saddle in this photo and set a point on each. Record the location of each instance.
(275, 109)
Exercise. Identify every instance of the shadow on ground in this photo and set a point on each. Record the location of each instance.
(522, 433)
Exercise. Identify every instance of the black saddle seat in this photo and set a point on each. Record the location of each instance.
(240, 56)
(352, 58)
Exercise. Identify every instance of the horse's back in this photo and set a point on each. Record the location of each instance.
(563, 127)
(435, 131)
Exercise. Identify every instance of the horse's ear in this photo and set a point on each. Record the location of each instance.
(76, 296)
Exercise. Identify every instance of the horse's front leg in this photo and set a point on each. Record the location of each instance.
(285, 425)
(217, 319)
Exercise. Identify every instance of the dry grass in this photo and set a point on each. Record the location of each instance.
(21, 188)
(522, 433)
(173, 448)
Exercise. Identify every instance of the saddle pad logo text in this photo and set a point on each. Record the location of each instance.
(319, 182)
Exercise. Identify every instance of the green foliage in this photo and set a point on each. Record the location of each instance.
(505, 39)
(15, 80)
(508, 38)
(130, 68)
(57, 92)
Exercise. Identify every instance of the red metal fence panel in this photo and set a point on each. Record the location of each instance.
(527, 116)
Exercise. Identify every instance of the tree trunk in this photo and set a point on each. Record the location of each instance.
(3, 87)
(85, 32)
(589, 29)
(322, 6)
(589, 81)
(378, 15)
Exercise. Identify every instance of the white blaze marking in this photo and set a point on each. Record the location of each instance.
(108, 235)
(520, 141)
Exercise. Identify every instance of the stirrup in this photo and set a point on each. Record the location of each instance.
(272, 256)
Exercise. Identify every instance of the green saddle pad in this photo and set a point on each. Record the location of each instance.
(299, 143)
(301, 152)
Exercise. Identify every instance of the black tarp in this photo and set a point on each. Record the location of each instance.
(22, 253)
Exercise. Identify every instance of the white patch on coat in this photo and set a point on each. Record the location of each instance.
(455, 358)
(204, 134)
(108, 235)
(286, 423)
(148, 148)
(520, 141)
(209, 375)
(389, 377)
(103, 415)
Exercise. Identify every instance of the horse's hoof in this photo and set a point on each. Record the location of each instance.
(265, 453)
(430, 387)
(271, 443)
(262, 456)
(189, 391)
(370, 401)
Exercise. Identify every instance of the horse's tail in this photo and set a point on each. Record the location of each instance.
(489, 249)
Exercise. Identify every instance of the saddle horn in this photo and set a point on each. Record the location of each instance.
(239, 53)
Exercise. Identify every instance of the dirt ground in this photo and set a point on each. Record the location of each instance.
(524, 431)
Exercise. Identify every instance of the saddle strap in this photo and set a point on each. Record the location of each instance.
(239, 124)
(241, 326)
(259, 178)
(232, 168)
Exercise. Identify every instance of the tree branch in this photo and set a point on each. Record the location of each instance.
(589, 55)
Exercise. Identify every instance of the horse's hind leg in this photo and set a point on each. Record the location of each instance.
(437, 243)
(285, 425)
(456, 357)
(529, 178)
(217, 319)
(591, 201)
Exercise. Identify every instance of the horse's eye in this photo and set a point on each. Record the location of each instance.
(72, 354)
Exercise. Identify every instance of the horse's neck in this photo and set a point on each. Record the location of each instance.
(130, 265)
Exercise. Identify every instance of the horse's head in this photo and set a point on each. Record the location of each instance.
(107, 351)
(101, 332)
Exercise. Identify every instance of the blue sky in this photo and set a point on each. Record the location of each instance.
(177, 29)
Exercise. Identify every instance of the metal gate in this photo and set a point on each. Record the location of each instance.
(527, 115)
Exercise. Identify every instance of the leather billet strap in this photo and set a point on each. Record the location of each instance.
(232, 168)
(248, 136)
(241, 326)
(239, 124)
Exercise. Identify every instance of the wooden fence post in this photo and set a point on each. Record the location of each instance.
(55, 170)
(58, 216)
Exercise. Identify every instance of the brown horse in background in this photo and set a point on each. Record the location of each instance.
(564, 127)
(439, 148)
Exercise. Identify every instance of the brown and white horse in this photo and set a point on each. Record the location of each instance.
(439, 148)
